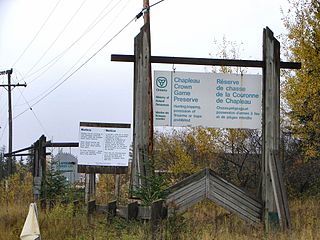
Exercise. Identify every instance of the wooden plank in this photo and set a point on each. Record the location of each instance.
(102, 169)
(238, 193)
(280, 192)
(231, 198)
(122, 211)
(237, 198)
(133, 209)
(105, 125)
(195, 198)
(101, 208)
(233, 208)
(204, 61)
(187, 190)
(18, 151)
(158, 211)
(91, 206)
(62, 144)
(194, 177)
(144, 212)
(111, 210)
(188, 197)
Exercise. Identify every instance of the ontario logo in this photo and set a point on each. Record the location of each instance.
(161, 82)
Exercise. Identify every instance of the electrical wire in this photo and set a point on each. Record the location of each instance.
(89, 59)
(83, 55)
(34, 114)
(54, 60)
(36, 117)
(57, 38)
(37, 34)
(82, 65)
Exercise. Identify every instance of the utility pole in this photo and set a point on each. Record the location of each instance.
(9, 88)
(146, 18)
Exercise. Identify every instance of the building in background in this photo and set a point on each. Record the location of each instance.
(67, 164)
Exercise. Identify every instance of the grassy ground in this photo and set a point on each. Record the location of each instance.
(203, 221)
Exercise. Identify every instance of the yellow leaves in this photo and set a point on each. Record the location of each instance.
(16, 189)
(302, 91)
(183, 164)
(185, 152)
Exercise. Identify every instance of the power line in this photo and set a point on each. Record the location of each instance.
(57, 38)
(34, 38)
(83, 55)
(34, 114)
(54, 60)
(90, 58)
(82, 65)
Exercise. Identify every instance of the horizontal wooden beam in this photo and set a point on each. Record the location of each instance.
(18, 151)
(102, 169)
(62, 144)
(205, 61)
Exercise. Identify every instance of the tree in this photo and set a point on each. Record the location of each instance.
(302, 88)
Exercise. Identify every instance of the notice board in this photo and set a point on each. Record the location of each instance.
(104, 147)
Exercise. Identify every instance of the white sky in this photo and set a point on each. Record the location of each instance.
(102, 90)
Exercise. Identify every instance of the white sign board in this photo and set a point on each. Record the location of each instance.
(104, 146)
(207, 99)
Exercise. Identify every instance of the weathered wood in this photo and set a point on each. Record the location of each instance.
(102, 169)
(240, 199)
(235, 200)
(188, 189)
(101, 208)
(207, 184)
(90, 187)
(117, 186)
(133, 209)
(91, 207)
(193, 178)
(192, 200)
(18, 151)
(241, 195)
(142, 126)
(205, 61)
(233, 208)
(144, 212)
(105, 125)
(158, 210)
(111, 210)
(61, 144)
(273, 192)
(122, 211)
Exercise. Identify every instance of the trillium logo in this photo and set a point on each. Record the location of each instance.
(161, 82)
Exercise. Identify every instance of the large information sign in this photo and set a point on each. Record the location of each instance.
(207, 99)
(102, 144)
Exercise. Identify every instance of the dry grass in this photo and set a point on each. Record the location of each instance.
(204, 221)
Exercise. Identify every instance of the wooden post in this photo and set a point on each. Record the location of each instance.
(117, 186)
(111, 210)
(90, 187)
(43, 165)
(133, 209)
(273, 192)
(143, 125)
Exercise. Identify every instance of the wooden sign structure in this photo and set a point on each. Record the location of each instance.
(91, 168)
(274, 199)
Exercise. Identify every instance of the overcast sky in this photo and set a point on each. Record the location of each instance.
(64, 34)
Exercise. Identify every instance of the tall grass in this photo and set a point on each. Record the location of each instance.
(203, 221)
